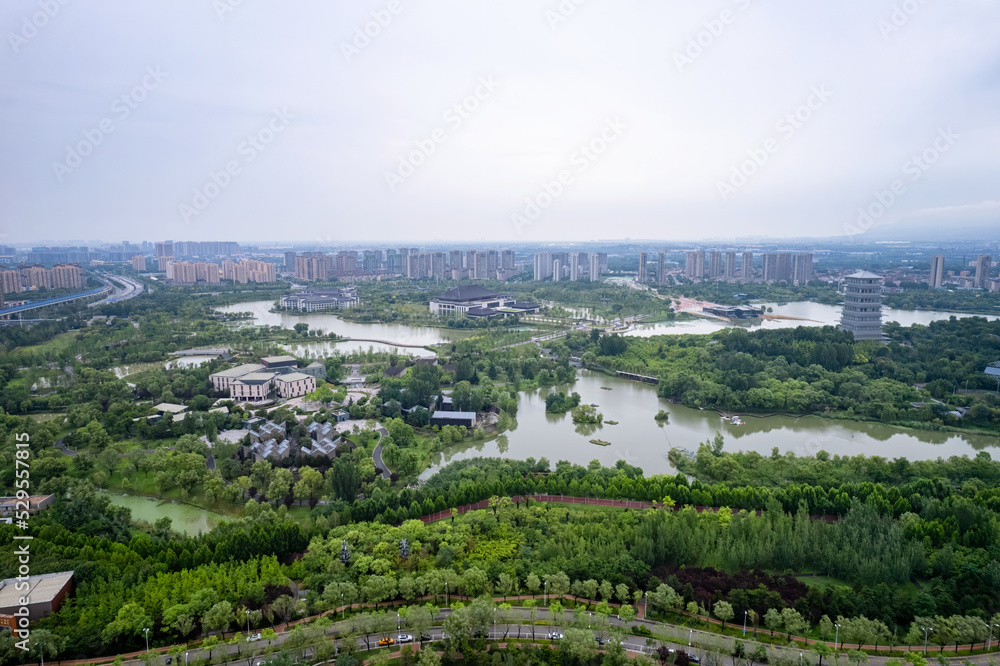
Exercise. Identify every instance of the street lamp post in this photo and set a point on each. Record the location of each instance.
(248, 622)
(690, 636)
(146, 632)
(546, 593)
(342, 609)
(836, 640)
(926, 631)
(745, 623)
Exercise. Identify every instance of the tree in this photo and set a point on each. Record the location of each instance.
(666, 598)
(475, 581)
(821, 649)
(857, 656)
(429, 657)
(507, 585)
(43, 642)
(578, 645)
(773, 620)
(622, 593)
(606, 590)
(626, 613)
(558, 583)
(533, 583)
(219, 616)
(793, 622)
(129, 621)
(310, 484)
(724, 611)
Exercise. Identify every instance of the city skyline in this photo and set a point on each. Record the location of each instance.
(690, 122)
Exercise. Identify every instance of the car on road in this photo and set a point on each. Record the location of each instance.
(425, 638)
(555, 636)
(168, 660)
(405, 638)
(386, 641)
(600, 641)
(253, 637)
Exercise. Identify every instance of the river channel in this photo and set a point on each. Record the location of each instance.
(402, 338)
(801, 313)
(639, 440)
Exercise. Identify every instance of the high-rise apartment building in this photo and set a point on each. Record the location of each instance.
(715, 264)
(778, 267)
(694, 264)
(139, 263)
(983, 265)
(309, 266)
(746, 269)
(574, 267)
(936, 280)
(729, 273)
(643, 271)
(455, 260)
(543, 266)
(802, 268)
(594, 269)
(289, 261)
(556, 270)
(661, 268)
(507, 260)
(862, 313)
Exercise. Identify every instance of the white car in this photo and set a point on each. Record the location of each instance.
(253, 637)
(555, 636)
(405, 638)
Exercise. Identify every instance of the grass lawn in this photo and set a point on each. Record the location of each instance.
(821, 582)
(54, 345)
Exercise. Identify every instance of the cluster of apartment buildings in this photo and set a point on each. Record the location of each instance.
(29, 278)
(979, 278)
(569, 265)
(237, 272)
(406, 262)
(274, 377)
(793, 268)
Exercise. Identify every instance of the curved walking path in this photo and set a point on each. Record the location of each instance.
(377, 453)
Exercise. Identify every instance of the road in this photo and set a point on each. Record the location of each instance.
(377, 453)
(124, 289)
(694, 641)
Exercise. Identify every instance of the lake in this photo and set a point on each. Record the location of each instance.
(802, 313)
(186, 518)
(390, 336)
(639, 440)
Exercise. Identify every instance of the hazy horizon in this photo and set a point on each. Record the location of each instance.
(417, 124)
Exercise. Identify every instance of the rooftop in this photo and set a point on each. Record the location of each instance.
(293, 377)
(278, 359)
(865, 274)
(41, 589)
(256, 378)
(467, 292)
(170, 407)
(453, 415)
(240, 370)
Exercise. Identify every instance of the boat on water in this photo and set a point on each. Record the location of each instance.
(612, 422)
(607, 388)
(600, 442)
(735, 420)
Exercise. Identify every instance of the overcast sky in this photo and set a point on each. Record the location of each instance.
(330, 134)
